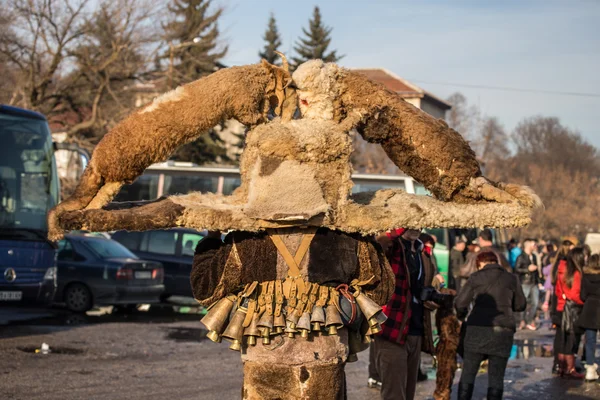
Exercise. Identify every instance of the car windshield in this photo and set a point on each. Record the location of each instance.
(28, 180)
(106, 248)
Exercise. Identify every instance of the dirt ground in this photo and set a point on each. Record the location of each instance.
(165, 355)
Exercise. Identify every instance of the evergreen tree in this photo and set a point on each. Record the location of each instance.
(316, 42)
(273, 41)
(208, 148)
(194, 58)
(191, 19)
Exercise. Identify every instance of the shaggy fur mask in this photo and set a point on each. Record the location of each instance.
(294, 172)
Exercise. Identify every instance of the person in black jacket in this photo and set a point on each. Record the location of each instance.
(457, 259)
(590, 315)
(528, 271)
(490, 327)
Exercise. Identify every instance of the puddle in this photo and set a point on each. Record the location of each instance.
(53, 350)
(186, 334)
(527, 348)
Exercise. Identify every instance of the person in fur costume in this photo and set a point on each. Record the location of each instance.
(298, 283)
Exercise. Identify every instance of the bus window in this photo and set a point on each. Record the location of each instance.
(374, 186)
(420, 189)
(178, 184)
(28, 180)
(144, 187)
(230, 184)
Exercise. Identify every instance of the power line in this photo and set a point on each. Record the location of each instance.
(508, 89)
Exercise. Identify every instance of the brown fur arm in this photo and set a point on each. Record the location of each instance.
(420, 145)
(153, 133)
(181, 115)
(158, 214)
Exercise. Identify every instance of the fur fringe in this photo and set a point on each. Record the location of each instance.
(366, 213)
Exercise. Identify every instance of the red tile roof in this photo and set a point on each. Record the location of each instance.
(389, 80)
(401, 86)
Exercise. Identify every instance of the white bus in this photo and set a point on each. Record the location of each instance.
(174, 177)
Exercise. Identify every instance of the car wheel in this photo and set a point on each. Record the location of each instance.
(78, 297)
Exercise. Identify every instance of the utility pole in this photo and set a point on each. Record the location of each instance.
(172, 49)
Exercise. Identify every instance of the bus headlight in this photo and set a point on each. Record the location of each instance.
(50, 274)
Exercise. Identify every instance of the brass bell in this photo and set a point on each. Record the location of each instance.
(216, 318)
(293, 317)
(290, 330)
(373, 312)
(266, 336)
(304, 325)
(279, 323)
(355, 342)
(333, 319)
(265, 324)
(266, 321)
(214, 336)
(375, 329)
(252, 331)
(236, 345)
(317, 318)
(235, 330)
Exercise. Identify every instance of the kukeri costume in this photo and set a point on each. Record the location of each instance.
(300, 250)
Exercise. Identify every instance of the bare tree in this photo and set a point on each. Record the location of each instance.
(370, 158)
(491, 143)
(108, 60)
(462, 117)
(563, 169)
(37, 43)
(75, 61)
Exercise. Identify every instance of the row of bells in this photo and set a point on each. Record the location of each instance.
(222, 323)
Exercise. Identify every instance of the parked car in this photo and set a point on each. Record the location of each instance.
(93, 270)
(173, 248)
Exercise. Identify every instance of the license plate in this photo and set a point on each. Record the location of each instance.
(143, 274)
(10, 296)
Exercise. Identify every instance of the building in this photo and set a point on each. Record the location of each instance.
(410, 92)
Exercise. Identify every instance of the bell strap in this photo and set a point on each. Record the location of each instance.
(357, 285)
(278, 297)
(269, 297)
(343, 290)
(293, 262)
(323, 296)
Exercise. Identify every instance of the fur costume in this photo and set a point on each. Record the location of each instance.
(445, 351)
(306, 161)
(295, 174)
(288, 348)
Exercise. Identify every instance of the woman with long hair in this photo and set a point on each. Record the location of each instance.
(590, 316)
(569, 303)
(555, 315)
(490, 327)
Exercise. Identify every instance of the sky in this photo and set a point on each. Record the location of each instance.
(538, 45)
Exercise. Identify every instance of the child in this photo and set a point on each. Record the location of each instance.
(590, 315)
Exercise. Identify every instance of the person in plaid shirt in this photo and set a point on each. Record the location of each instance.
(396, 351)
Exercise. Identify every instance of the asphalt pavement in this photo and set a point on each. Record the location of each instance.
(165, 355)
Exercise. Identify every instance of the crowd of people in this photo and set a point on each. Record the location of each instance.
(497, 293)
